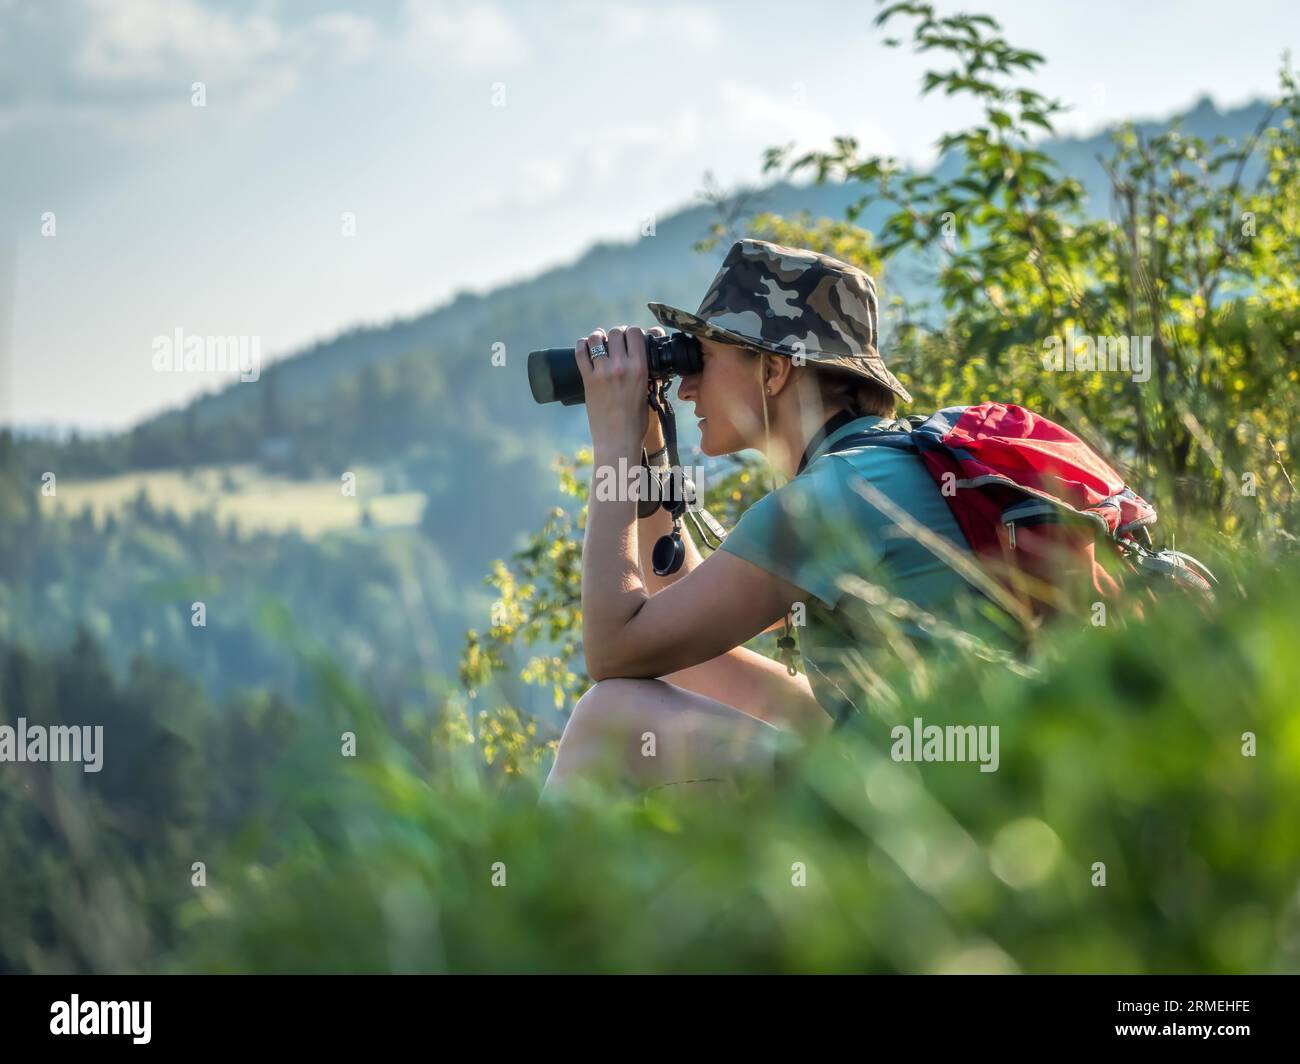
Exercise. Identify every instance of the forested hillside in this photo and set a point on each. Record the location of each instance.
(423, 406)
(312, 765)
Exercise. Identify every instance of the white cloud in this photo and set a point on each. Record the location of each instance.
(648, 149)
(668, 25)
(777, 117)
(542, 180)
(125, 69)
(440, 33)
(152, 40)
(635, 155)
(337, 38)
(789, 113)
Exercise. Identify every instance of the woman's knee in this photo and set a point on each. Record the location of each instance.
(613, 695)
(603, 727)
(642, 723)
(605, 708)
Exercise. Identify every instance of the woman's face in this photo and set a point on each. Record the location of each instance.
(726, 397)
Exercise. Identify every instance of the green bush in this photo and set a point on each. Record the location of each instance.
(1125, 749)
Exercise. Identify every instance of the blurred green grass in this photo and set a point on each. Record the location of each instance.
(1126, 749)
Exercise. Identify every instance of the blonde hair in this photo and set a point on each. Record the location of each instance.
(862, 396)
(837, 388)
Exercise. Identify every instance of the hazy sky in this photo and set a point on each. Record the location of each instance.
(472, 143)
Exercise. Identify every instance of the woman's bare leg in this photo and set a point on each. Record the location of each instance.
(650, 733)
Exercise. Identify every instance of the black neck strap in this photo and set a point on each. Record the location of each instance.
(837, 422)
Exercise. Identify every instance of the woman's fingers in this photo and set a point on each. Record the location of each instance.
(599, 338)
(615, 384)
(627, 349)
(634, 337)
(582, 353)
(583, 359)
(626, 352)
(617, 344)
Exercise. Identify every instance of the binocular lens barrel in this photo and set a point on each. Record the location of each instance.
(553, 372)
(553, 376)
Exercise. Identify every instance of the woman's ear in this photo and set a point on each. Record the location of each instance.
(779, 370)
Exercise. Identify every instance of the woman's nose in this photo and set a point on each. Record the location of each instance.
(686, 389)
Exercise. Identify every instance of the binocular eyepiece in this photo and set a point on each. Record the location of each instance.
(554, 378)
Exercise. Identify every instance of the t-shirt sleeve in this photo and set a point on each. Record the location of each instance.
(786, 533)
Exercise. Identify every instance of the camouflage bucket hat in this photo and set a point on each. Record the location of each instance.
(788, 301)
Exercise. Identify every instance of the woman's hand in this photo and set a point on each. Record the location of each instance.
(654, 433)
(615, 386)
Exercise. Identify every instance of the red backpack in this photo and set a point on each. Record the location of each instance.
(1035, 502)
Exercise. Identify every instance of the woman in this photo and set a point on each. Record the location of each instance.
(790, 367)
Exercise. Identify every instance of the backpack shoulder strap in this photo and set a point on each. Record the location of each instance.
(896, 434)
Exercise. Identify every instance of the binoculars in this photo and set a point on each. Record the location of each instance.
(554, 378)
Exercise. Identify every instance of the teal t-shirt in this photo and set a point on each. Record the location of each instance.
(855, 562)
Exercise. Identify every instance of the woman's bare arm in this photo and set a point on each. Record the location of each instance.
(750, 681)
(690, 630)
(701, 614)
(741, 677)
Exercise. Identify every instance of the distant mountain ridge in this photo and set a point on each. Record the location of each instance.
(419, 405)
(611, 282)
(422, 399)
